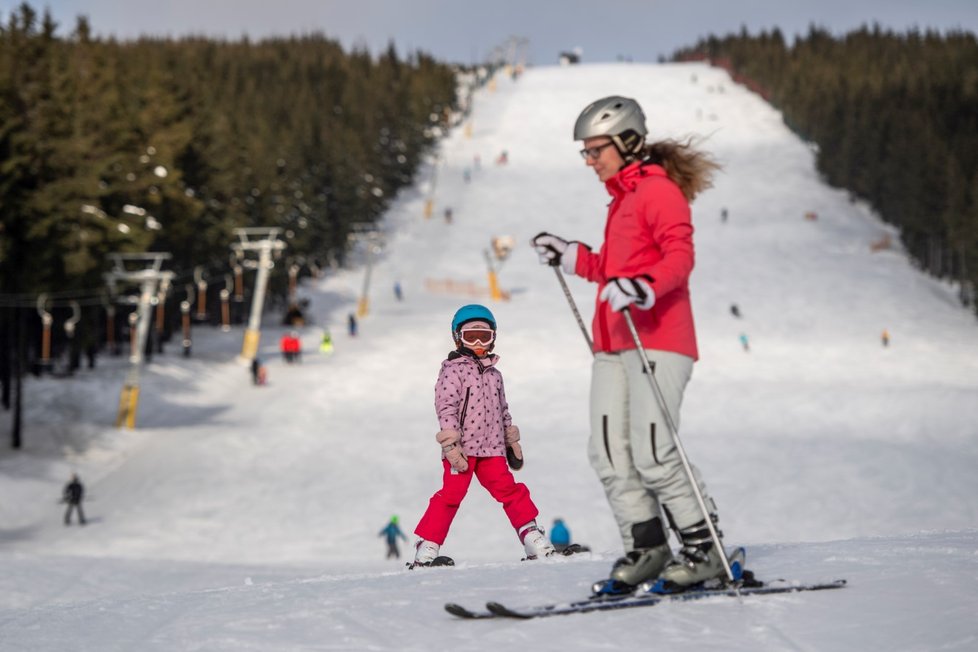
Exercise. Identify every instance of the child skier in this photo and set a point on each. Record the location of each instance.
(391, 532)
(476, 431)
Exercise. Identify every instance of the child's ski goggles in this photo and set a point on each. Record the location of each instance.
(477, 336)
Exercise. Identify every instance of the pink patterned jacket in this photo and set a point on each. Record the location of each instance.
(470, 398)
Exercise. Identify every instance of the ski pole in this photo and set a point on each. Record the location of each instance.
(674, 433)
(573, 307)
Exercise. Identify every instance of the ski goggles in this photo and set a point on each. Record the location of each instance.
(477, 336)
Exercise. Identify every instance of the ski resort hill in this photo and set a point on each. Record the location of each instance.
(242, 517)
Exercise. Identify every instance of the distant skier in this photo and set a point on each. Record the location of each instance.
(392, 531)
(351, 324)
(73, 494)
(398, 292)
(885, 338)
(642, 267)
(744, 342)
(291, 347)
(259, 375)
(734, 310)
(724, 215)
(448, 216)
(326, 344)
(476, 431)
(559, 535)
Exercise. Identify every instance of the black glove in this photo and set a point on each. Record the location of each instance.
(514, 458)
(514, 452)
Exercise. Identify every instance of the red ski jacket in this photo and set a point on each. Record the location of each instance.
(648, 233)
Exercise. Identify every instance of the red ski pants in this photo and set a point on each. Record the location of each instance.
(494, 475)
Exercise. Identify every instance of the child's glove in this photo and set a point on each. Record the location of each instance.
(449, 441)
(456, 458)
(514, 452)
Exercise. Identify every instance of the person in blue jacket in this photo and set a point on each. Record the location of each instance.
(392, 531)
(560, 535)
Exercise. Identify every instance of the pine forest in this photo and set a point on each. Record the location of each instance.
(169, 145)
(894, 120)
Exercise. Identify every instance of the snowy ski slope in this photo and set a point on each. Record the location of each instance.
(244, 518)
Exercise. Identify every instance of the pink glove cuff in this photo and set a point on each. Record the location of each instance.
(447, 437)
(512, 434)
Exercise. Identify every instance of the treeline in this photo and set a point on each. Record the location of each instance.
(895, 121)
(168, 145)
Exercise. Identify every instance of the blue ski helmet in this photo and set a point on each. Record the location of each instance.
(472, 312)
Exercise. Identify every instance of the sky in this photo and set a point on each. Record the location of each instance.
(239, 517)
(468, 32)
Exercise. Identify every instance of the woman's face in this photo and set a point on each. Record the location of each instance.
(603, 157)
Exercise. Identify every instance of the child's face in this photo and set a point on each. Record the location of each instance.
(477, 336)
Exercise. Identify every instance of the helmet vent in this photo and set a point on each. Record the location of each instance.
(610, 116)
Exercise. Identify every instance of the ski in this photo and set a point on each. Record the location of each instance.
(607, 603)
(572, 549)
(462, 612)
(650, 600)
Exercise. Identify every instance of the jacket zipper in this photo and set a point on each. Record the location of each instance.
(465, 406)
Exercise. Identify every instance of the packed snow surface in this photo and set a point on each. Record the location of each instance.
(238, 517)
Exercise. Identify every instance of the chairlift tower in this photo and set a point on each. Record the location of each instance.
(264, 241)
(148, 278)
(502, 246)
(373, 244)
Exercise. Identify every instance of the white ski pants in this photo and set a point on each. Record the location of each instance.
(631, 448)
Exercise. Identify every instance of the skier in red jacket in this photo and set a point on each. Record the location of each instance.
(644, 266)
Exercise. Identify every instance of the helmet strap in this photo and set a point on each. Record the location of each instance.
(629, 155)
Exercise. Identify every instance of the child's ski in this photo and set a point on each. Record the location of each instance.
(627, 602)
(462, 612)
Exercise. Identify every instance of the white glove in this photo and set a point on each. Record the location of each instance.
(554, 251)
(623, 292)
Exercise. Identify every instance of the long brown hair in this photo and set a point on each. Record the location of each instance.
(689, 168)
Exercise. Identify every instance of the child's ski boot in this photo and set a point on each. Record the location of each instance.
(426, 555)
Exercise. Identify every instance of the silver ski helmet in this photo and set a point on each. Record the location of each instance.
(620, 118)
